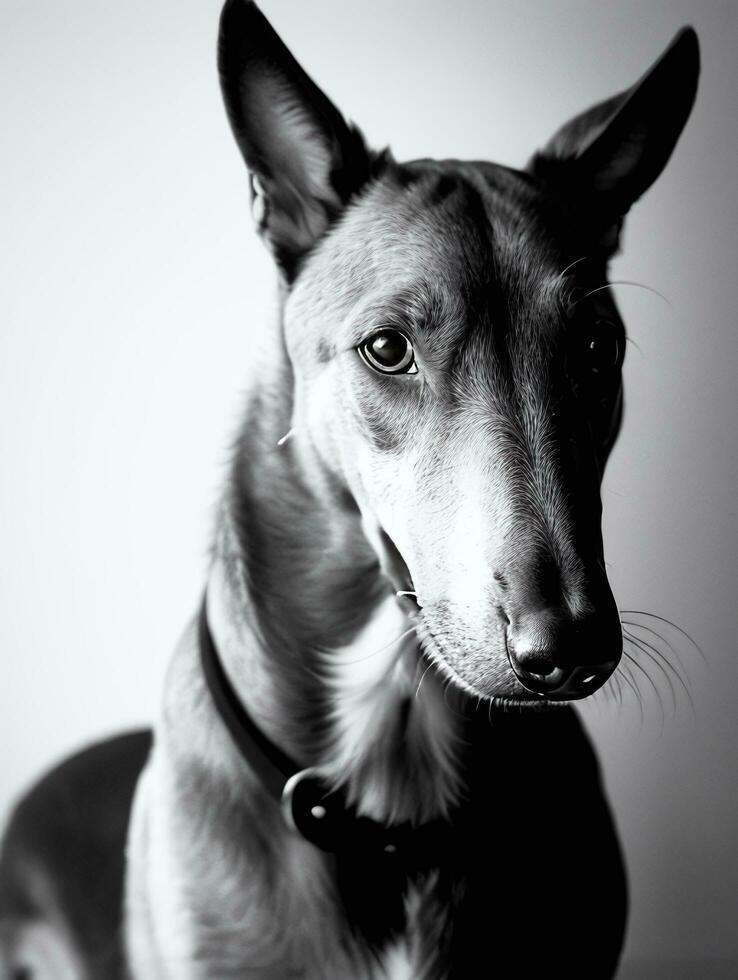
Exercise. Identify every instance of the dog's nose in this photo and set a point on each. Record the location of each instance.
(560, 658)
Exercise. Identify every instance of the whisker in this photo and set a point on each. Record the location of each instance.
(624, 675)
(638, 646)
(663, 619)
(680, 674)
(450, 683)
(446, 685)
(620, 681)
(653, 653)
(627, 282)
(650, 680)
(569, 267)
(653, 632)
(444, 671)
(375, 653)
(285, 437)
(609, 691)
(682, 682)
(618, 689)
(422, 676)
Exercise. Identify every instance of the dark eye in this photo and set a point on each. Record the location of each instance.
(389, 352)
(600, 348)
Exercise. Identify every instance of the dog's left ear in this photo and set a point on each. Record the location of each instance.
(305, 161)
(611, 154)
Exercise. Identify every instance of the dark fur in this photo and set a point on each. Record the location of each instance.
(65, 849)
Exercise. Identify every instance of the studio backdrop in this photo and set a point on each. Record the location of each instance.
(133, 287)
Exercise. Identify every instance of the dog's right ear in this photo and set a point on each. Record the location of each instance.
(305, 161)
(609, 155)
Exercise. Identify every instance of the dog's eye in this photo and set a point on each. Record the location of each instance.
(601, 348)
(389, 352)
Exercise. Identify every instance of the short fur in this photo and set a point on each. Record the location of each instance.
(471, 489)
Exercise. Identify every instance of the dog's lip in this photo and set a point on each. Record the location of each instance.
(504, 702)
(398, 573)
(432, 655)
(407, 600)
(396, 570)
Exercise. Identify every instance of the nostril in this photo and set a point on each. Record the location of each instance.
(564, 684)
(535, 646)
(555, 659)
(534, 661)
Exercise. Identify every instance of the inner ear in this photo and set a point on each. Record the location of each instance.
(307, 161)
(292, 161)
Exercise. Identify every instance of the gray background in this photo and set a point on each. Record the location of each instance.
(132, 286)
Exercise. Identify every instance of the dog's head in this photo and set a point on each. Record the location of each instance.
(457, 354)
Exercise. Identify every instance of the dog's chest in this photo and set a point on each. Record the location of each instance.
(393, 740)
(397, 963)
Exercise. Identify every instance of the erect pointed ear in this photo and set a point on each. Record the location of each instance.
(304, 160)
(613, 152)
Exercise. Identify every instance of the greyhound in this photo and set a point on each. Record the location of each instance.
(367, 764)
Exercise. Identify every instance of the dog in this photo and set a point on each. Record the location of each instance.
(367, 764)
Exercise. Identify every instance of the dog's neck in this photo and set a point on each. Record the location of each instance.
(312, 638)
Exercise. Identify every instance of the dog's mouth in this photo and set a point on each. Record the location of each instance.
(395, 568)
(498, 683)
(397, 572)
(509, 695)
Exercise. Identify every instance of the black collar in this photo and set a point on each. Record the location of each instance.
(273, 767)
(320, 814)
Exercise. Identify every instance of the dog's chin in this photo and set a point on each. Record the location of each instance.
(504, 692)
(470, 691)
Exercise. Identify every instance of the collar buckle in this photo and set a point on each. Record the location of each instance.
(311, 809)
